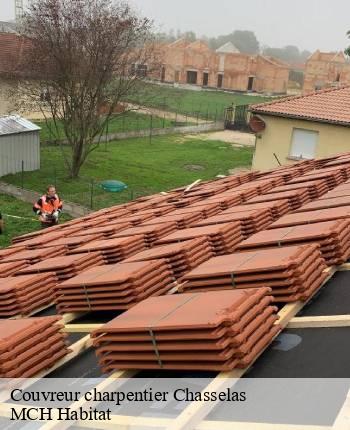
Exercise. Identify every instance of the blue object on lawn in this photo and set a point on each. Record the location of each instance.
(113, 186)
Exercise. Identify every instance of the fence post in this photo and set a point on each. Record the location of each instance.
(164, 120)
(92, 194)
(22, 175)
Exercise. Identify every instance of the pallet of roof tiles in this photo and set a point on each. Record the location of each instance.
(325, 203)
(182, 220)
(21, 295)
(73, 241)
(218, 331)
(106, 231)
(9, 269)
(30, 345)
(33, 256)
(296, 198)
(151, 233)
(333, 178)
(67, 266)
(225, 200)
(114, 287)
(292, 272)
(206, 209)
(310, 217)
(277, 208)
(315, 188)
(332, 236)
(251, 221)
(11, 250)
(223, 238)
(114, 250)
(181, 257)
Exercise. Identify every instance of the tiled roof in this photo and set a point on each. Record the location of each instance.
(329, 106)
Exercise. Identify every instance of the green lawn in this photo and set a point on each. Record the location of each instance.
(165, 163)
(17, 226)
(128, 121)
(205, 103)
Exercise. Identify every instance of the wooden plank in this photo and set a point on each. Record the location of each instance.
(71, 316)
(344, 267)
(189, 188)
(320, 321)
(81, 328)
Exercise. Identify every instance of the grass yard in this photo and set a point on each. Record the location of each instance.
(129, 121)
(207, 103)
(168, 162)
(17, 226)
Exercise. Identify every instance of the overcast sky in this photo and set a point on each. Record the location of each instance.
(309, 24)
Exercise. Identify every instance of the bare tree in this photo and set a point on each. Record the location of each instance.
(83, 55)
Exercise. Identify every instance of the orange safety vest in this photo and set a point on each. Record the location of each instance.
(49, 206)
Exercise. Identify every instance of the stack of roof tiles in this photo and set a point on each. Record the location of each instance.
(251, 221)
(332, 236)
(184, 220)
(33, 256)
(216, 331)
(277, 208)
(325, 203)
(11, 268)
(105, 231)
(293, 273)
(21, 295)
(114, 250)
(310, 217)
(206, 209)
(67, 266)
(296, 198)
(114, 287)
(223, 238)
(28, 346)
(333, 178)
(181, 257)
(73, 242)
(315, 188)
(226, 200)
(151, 233)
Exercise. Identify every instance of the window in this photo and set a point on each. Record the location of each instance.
(205, 79)
(304, 143)
(191, 77)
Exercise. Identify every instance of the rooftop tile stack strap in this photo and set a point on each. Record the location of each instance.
(225, 200)
(114, 287)
(251, 221)
(114, 250)
(30, 345)
(74, 241)
(9, 269)
(296, 198)
(292, 272)
(315, 188)
(67, 266)
(216, 331)
(105, 230)
(207, 209)
(333, 178)
(223, 238)
(277, 208)
(21, 295)
(310, 217)
(182, 220)
(332, 236)
(181, 257)
(151, 233)
(33, 256)
(323, 203)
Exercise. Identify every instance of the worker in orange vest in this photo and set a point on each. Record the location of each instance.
(48, 207)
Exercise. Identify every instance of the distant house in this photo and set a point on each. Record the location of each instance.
(303, 127)
(19, 145)
(326, 70)
(195, 63)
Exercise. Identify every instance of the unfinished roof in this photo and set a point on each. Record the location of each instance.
(327, 106)
(15, 124)
(228, 48)
(337, 57)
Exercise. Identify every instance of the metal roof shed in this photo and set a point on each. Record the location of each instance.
(19, 145)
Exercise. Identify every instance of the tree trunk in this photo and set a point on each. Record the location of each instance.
(77, 160)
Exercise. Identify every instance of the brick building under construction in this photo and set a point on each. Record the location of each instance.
(196, 64)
